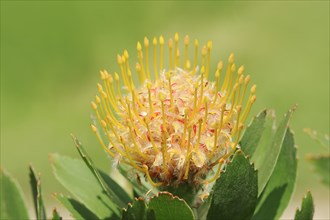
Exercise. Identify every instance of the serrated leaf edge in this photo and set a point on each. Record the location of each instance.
(130, 204)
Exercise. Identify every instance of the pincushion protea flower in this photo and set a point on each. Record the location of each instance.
(176, 125)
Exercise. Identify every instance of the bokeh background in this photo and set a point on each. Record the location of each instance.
(51, 53)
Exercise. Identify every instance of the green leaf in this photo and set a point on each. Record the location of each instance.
(11, 198)
(77, 210)
(56, 216)
(278, 191)
(322, 140)
(36, 193)
(184, 191)
(135, 211)
(269, 148)
(138, 187)
(322, 166)
(306, 211)
(253, 133)
(113, 190)
(74, 175)
(235, 192)
(203, 209)
(166, 206)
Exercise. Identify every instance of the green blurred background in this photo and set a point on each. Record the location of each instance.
(51, 53)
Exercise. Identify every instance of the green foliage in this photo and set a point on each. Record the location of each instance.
(117, 195)
(306, 211)
(320, 162)
(12, 202)
(267, 153)
(237, 193)
(278, 191)
(77, 210)
(253, 134)
(322, 166)
(238, 188)
(161, 207)
(322, 140)
(36, 194)
(56, 216)
(235, 190)
(135, 211)
(74, 175)
(166, 206)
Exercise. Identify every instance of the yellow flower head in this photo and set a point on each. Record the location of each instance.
(176, 125)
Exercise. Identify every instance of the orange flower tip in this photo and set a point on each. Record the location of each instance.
(145, 167)
(204, 50)
(103, 124)
(146, 120)
(123, 59)
(241, 80)
(94, 106)
(126, 54)
(137, 67)
(119, 60)
(222, 105)
(104, 95)
(220, 65)
(253, 99)
(94, 129)
(202, 70)
(138, 46)
(161, 40)
(170, 43)
(99, 86)
(188, 64)
(253, 89)
(161, 97)
(240, 126)
(239, 108)
(97, 99)
(154, 41)
(196, 43)
(247, 79)
(231, 58)
(127, 100)
(106, 74)
(196, 85)
(149, 85)
(116, 77)
(217, 74)
(233, 67)
(240, 70)
(205, 100)
(168, 75)
(146, 42)
(186, 40)
(110, 79)
(209, 45)
(102, 74)
(235, 86)
(176, 37)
